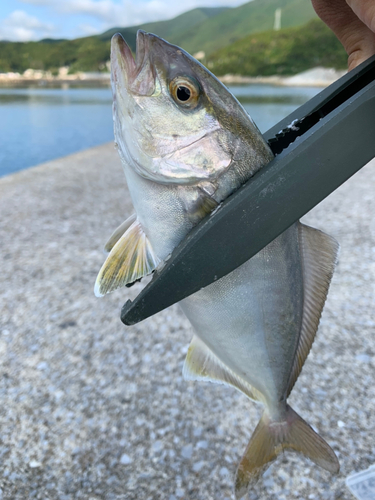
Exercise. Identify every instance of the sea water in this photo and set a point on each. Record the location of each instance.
(40, 124)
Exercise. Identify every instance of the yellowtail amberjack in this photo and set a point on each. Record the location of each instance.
(186, 144)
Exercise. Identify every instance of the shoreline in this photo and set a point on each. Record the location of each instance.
(315, 77)
(10, 80)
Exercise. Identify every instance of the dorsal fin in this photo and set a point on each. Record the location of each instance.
(117, 233)
(131, 258)
(202, 364)
(319, 256)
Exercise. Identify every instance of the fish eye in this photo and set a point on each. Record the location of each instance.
(185, 92)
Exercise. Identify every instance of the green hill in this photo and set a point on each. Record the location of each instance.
(210, 29)
(90, 53)
(233, 24)
(167, 29)
(285, 52)
(82, 54)
(236, 40)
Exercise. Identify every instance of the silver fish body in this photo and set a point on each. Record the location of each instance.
(251, 319)
(187, 144)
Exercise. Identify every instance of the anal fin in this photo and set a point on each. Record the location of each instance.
(131, 258)
(202, 364)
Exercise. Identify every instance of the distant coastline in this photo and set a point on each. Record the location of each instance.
(315, 77)
(46, 79)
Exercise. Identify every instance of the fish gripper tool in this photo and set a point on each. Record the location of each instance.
(317, 148)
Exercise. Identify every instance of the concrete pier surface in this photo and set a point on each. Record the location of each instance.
(91, 409)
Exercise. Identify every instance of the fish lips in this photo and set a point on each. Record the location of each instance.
(137, 75)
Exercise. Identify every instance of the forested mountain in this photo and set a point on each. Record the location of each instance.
(285, 52)
(252, 17)
(237, 40)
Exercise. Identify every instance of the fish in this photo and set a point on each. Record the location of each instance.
(186, 144)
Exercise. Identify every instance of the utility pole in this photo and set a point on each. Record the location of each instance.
(277, 23)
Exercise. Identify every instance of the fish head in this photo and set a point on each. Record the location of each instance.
(175, 122)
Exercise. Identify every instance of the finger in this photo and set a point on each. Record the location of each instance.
(357, 39)
(365, 10)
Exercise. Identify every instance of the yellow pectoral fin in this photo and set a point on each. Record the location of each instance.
(117, 233)
(131, 258)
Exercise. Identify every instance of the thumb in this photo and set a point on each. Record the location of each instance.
(355, 33)
(365, 11)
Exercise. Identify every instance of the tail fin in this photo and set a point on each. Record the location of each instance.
(271, 438)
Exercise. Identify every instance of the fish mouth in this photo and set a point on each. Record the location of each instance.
(138, 75)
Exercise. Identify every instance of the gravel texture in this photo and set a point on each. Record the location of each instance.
(91, 409)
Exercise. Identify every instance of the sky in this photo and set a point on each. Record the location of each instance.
(24, 20)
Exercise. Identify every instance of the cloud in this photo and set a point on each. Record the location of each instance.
(38, 2)
(86, 30)
(20, 27)
(128, 12)
(125, 13)
(88, 17)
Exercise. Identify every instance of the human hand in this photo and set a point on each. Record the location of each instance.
(353, 22)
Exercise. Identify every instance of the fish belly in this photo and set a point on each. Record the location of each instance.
(251, 318)
(160, 211)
